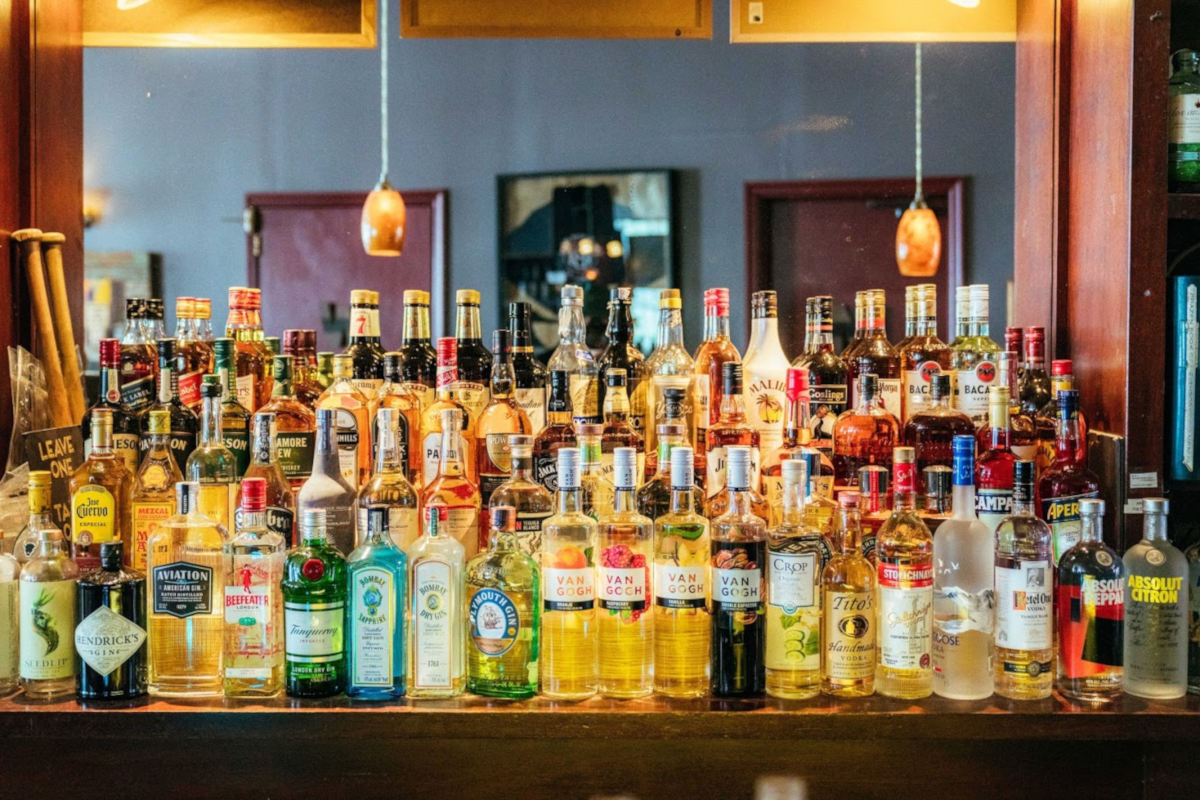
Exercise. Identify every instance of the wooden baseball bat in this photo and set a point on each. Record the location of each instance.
(30, 242)
(64, 331)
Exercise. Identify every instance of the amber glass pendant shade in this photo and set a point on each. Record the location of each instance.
(918, 241)
(383, 218)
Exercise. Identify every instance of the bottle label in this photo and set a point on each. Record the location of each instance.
(906, 615)
(499, 452)
(93, 516)
(431, 455)
(680, 587)
(403, 524)
(1185, 119)
(637, 406)
(993, 506)
(189, 389)
(217, 502)
(238, 443)
(545, 470)
(282, 521)
(702, 387)
(248, 615)
(47, 620)
(533, 403)
(182, 589)
(717, 466)
(849, 635)
(529, 531)
(766, 398)
(971, 395)
(127, 446)
(736, 589)
(794, 581)
(462, 525)
(433, 627)
(294, 451)
(402, 439)
(368, 386)
(425, 394)
(348, 441)
(1066, 525)
(146, 517)
(1090, 631)
(474, 396)
(793, 611)
(1023, 602)
(494, 621)
(374, 623)
(138, 394)
(624, 588)
(585, 399)
(314, 633)
(918, 387)
(1156, 626)
(891, 392)
(568, 588)
(245, 386)
(10, 626)
(824, 404)
(364, 322)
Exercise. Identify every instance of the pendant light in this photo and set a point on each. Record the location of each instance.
(918, 236)
(383, 214)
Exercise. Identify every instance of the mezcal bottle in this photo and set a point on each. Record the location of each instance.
(1156, 611)
(377, 573)
(435, 563)
(314, 610)
(153, 487)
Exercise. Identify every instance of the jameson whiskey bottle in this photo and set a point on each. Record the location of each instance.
(184, 424)
(530, 386)
(364, 350)
(314, 608)
(235, 418)
(419, 365)
(558, 433)
(352, 420)
(473, 359)
(620, 353)
(153, 487)
(295, 424)
(101, 497)
(110, 639)
(125, 424)
(436, 564)
(211, 464)
(573, 357)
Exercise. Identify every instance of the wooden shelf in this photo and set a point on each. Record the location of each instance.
(1183, 206)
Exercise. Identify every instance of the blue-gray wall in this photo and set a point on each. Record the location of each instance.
(177, 137)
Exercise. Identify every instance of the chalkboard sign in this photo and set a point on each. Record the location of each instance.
(60, 451)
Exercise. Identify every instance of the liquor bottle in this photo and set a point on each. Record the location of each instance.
(568, 654)
(821, 507)
(597, 488)
(377, 576)
(558, 433)
(314, 611)
(619, 430)
(764, 368)
(1183, 142)
(252, 360)
(904, 560)
(931, 428)
(713, 352)
(295, 424)
(125, 433)
(498, 422)
(1024, 667)
(101, 497)
(797, 437)
(184, 424)
(1062, 379)
(994, 470)
(1192, 554)
(10, 619)
(1034, 382)
(398, 396)
(364, 349)
(876, 355)
(654, 497)
(937, 506)
(729, 429)
(387, 487)
(860, 329)
(1090, 601)
(828, 380)
(473, 359)
(184, 561)
(668, 367)
(138, 357)
(533, 503)
(531, 375)
(435, 564)
(796, 554)
(625, 542)
(352, 419)
(1014, 342)
(672, 411)
(974, 359)
(924, 355)
(431, 417)
(47, 604)
(211, 464)
(453, 490)
(274, 345)
(327, 490)
(110, 639)
(281, 501)
(301, 345)
(202, 309)
(254, 556)
(848, 611)
(911, 311)
(30, 537)
(504, 606)
(1156, 611)
(573, 357)
(621, 353)
(863, 435)
(235, 418)
(963, 590)
(873, 506)
(195, 354)
(812, 326)
(153, 496)
(682, 627)
(420, 362)
(1022, 427)
(1068, 480)
(324, 372)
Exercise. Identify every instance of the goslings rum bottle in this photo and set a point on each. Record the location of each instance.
(377, 573)
(504, 607)
(904, 559)
(848, 611)
(568, 659)
(682, 629)
(314, 610)
(624, 629)
(435, 565)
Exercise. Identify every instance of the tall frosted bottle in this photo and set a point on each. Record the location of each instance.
(314, 610)
(326, 490)
(1156, 611)
(435, 564)
(377, 577)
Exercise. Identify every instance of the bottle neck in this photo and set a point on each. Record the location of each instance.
(570, 500)
(624, 499)
(590, 451)
(387, 454)
(616, 404)
(851, 531)
(110, 383)
(364, 324)
(571, 326)
(998, 425)
(765, 337)
(795, 497)
(412, 324)
(733, 408)
(963, 498)
(168, 383)
(618, 324)
(522, 468)
(1155, 527)
(1022, 501)
(1067, 439)
(1093, 529)
(449, 464)
(670, 328)
(210, 421)
(716, 325)
(740, 501)
(503, 377)
(264, 446)
(683, 500)
(326, 460)
(796, 430)
(466, 324)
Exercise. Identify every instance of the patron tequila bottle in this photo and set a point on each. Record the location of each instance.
(388, 488)
(573, 357)
(474, 362)
(558, 433)
(435, 564)
(110, 639)
(101, 497)
(327, 490)
(365, 350)
(453, 490)
(352, 421)
(419, 366)
(314, 609)
(377, 573)
(295, 425)
(533, 503)
(235, 418)
(529, 390)
(848, 611)
(211, 464)
(1156, 611)
(498, 422)
(281, 503)
(669, 367)
(765, 368)
(153, 487)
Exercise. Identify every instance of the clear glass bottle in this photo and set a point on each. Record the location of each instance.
(1156, 611)
(848, 611)
(964, 593)
(669, 366)
(573, 357)
(452, 490)
(388, 488)
(314, 612)
(353, 422)
(211, 464)
(110, 639)
(431, 418)
(1024, 668)
(101, 497)
(765, 369)
(396, 394)
(797, 438)
(731, 428)
(529, 385)
(235, 418)
(499, 421)
(437, 636)
(376, 579)
(281, 502)
(295, 424)
(974, 358)
(326, 489)
(253, 602)
(597, 488)
(533, 503)
(715, 350)
(153, 487)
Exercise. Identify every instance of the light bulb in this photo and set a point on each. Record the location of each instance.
(918, 241)
(383, 221)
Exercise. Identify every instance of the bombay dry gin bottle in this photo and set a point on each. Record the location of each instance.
(1090, 603)
(848, 611)
(110, 639)
(435, 565)
(1156, 611)
(765, 368)
(504, 605)
(377, 574)
(314, 609)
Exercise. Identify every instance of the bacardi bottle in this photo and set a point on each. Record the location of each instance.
(923, 355)
(974, 359)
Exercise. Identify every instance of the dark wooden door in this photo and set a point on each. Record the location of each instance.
(305, 253)
(806, 238)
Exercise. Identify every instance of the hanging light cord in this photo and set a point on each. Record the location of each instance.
(917, 73)
(383, 90)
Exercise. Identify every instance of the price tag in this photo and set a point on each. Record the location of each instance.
(1143, 480)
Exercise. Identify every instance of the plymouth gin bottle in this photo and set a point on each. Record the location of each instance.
(573, 357)
(110, 640)
(626, 547)
(848, 611)
(963, 590)
(1090, 602)
(377, 572)
(739, 550)
(1156, 611)
(765, 369)
(504, 605)
(682, 630)
(47, 606)
(568, 659)
(435, 564)
(1024, 582)
(314, 609)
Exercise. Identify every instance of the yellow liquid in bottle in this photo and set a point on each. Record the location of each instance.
(626, 654)
(568, 660)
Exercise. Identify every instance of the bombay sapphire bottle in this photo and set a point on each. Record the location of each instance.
(377, 573)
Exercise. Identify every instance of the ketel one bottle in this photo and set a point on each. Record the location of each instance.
(110, 639)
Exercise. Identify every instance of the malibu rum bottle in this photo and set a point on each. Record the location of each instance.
(110, 639)
(295, 424)
(281, 502)
(573, 357)
(765, 367)
(498, 422)
(101, 497)
(1156, 609)
(153, 487)
(419, 366)
(314, 609)
(235, 418)
(377, 574)
(388, 488)
(848, 611)
(211, 464)
(452, 490)
(558, 433)
(365, 350)
(352, 419)
(435, 564)
(473, 359)
(533, 503)
(529, 389)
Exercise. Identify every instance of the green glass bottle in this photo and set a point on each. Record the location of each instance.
(235, 418)
(314, 612)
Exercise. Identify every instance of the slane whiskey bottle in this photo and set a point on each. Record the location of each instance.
(110, 639)
(573, 357)
(314, 610)
(529, 387)
(473, 359)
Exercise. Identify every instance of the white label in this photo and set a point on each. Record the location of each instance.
(247, 606)
(622, 589)
(1023, 606)
(432, 448)
(793, 580)
(918, 388)
(703, 388)
(1144, 480)
(1185, 119)
(314, 632)
(737, 589)
(533, 403)
(403, 525)
(568, 589)
(680, 587)
(106, 640)
(245, 391)
(971, 396)
(364, 322)
(906, 635)
(891, 391)
(433, 628)
(9, 628)
(373, 621)
(993, 506)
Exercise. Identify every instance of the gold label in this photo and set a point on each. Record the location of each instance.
(93, 516)
(849, 635)
(125, 445)
(500, 451)
(146, 517)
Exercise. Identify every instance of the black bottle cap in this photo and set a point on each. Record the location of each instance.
(393, 362)
(940, 386)
(166, 353)
(731, 377)
(501, 341)
(673, 400)
(1023, 472)
(210, 386)
(110, 556)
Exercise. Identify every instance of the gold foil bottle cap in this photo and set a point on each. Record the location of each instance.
(203, 307)
(343, 366)
(904, 455)
(670, 298)
(412, 297)
(185, 308)
(160, 422)
(102, 422)
(360, 297)
(466, 297)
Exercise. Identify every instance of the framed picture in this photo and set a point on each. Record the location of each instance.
(110, 277)
(534, 19)
(595, 229)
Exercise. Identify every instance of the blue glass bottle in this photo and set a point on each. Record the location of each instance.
(375, 657)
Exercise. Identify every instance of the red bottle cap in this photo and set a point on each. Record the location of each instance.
(110, 352)
(797, 383)
(254, 494)
(1012, 339)
(1035, 343)
(716, 301)
(1062, 366)
(447, 351)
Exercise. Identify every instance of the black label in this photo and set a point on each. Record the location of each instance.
(59, 451)
(295, 450)
(281, 521)
(489, 484)
(545, 471)
(825, 403)
(138, 394)
(182, 589)
(347, 438)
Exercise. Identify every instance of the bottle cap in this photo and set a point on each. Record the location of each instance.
(360, 297)
(1013, 339)
(312, 522)
(447, 351)
(299, 340)
(868, 385)
(620, 294)
(518, 312)
(1023, 472)
(794, 471)
(848, 498)
(999, 396)
(135, 308)
(716, 301)
(187, 496)
(102, 423)
(1061, 367)
(159, 423)
(939, 386)
(571, 295)
(1091, 507)
(731, 377)
(253, 299)
(210, 386)
(237, 298)
(979, 296)
(343, 366)
(1155, 505)
(166, 353)
(872, 486)
(797, 384)
(570, 461)
(682, 467)
(281, 368)
(254, 494)
(615, 377)
(154, 308)
(434, 517)
(110, 556)
(379, 519)
(393, 362)
(673, 397)
(963, 448)
(589, 429)
(185, 308)
(1035, 343)
(110, 352)
(39, 490)
(938, 479)
(669, 298)
(825, 301)
(203, 307)
(738, 468)
(415, 297)
(223, 348)
(625, 468)
(503, 518)
(764, 305)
